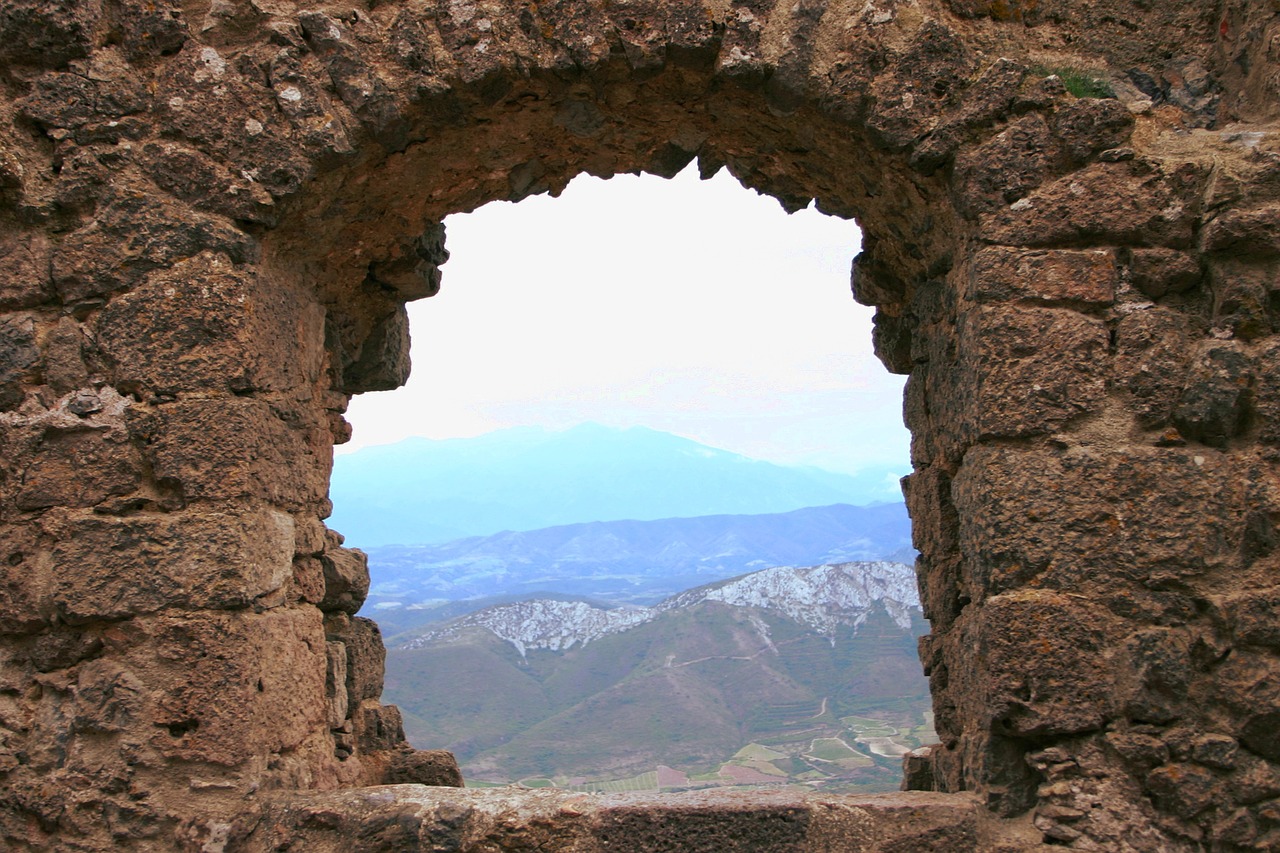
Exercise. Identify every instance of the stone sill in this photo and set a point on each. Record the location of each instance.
(407, 818)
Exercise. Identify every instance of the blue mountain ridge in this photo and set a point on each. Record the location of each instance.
(424, 491)
(636, 562)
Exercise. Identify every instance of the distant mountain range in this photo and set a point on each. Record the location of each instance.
(804, 675)
(422, 491)
(621, 561)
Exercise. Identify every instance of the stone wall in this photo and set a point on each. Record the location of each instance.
(212, 214)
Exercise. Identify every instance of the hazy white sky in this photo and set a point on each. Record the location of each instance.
(694, 307)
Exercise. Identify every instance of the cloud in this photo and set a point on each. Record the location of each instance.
(696, 307)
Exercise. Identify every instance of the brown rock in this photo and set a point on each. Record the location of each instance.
(1006, 167)
(25, 277)
(1019, 383)
(1215, 402)
(64, 365)
(47, 34)
(113, 568)
(1120, 203)
(1152, 348)
(230, 448)
(378, 727)
(366, 660)
(1184, 789)
(424, 767)
(79, 469)
(1045, 656)
(1157, 272)
(19, 356)
(218, 313)
(240, 684)
(1089, 125)
(346, 579)
(132, 237)
(1087, 278)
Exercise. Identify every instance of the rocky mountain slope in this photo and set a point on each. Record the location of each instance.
(821, 598)
(570, 691)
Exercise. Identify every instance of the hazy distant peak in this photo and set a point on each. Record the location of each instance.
(422, 491)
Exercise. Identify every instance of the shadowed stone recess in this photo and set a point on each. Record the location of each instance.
(212, 216)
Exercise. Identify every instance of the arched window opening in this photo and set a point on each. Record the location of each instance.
(622, 398)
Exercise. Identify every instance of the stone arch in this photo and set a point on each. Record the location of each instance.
(213, 214)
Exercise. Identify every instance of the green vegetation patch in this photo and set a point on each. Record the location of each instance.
(643, 782)
(757, 752)
(537, 783)
(831, 749)
(1078, 82)
(869, 727)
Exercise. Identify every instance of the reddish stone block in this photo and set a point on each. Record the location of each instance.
(230, 687)
(104, 567)
(1086, 276)
(206, 324)
(1029, 371)
(232, 447)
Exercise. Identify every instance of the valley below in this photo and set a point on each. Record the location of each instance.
(783, 676)
(721, 621)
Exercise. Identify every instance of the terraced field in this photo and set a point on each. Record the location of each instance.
(854, 753)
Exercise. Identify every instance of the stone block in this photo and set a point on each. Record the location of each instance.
(79, 469)
(346, 579)
(1267, 392)
(424, 767)
(1123, 204)
(47, 34)
(1030, 370)
(136, 235)
(1089, 125)
(19, 357)
(229, 448)
(1006, 167)
(1096, 520)
(1159, 660)
(1088, 276)
(1243, 233)
(64, 365)
(1045, 662)
(25, 277)
(308, 580)
(1246, 685)
(1153, 353)
(1253, 616)
(409, 818)
(1183, 789)
(1158, 272)
(105, 567)
(230, 687)
(149, 29)
(383, 361)
(206, 184)
(24, 580)
(378, 727)
(366, 660)
(1215, 401)
(206, 324)
(335, 684)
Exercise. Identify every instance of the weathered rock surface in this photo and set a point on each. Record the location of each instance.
(211, 217)
(409, 817)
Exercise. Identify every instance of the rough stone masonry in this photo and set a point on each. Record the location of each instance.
(212, 213)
